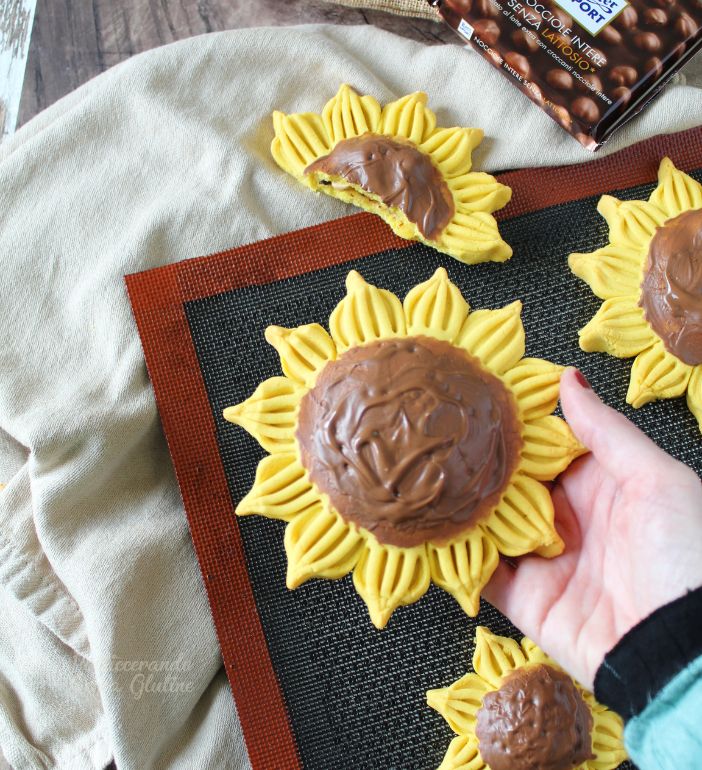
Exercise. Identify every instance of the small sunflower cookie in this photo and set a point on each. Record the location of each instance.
(650, 278)
(521, 711)
(395, 162)
(408, 446)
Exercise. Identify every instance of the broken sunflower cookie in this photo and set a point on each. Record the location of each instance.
(395, 162)
(409, 445)
(650, 278)
(521, 711)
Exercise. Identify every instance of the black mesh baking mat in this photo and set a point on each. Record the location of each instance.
(316, 685)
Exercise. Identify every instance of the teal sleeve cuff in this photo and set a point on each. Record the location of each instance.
(667, 734)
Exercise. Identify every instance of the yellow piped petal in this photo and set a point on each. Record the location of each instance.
(435, 308)
(451, 149)
(694, 394)
(299, 139)
(303, 351)
(387, 577)
(349, 114)
(282, 489)
(495, 656)
(409, 118)
(459, 704)
(618, 328)
(366, 314)
(656, 374)
(270, 414)
(549, 448)
(612, 271)
(522, 522)
(535, 654)
(463, 754)
(473, 237)
(631, 223)
(320, 544)
(478, 191)
(607, 738)
(676, 191)
(496, 337)
(535, 384)
(463, 568)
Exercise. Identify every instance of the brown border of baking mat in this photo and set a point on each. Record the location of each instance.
(158, 296)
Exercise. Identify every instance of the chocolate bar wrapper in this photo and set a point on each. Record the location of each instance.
(590, 64)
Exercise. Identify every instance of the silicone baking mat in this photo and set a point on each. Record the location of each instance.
(316, 686)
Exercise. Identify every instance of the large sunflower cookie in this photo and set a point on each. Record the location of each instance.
(407, 446)
(650, 278)
(395, 162)
(521, 711)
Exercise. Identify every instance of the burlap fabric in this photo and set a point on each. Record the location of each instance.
(418, 8)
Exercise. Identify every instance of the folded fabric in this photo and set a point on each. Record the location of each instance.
(110, 650)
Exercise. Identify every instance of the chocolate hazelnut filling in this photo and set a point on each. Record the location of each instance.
(398, 173)
(410, 438)
(537, 720)
(671, 292)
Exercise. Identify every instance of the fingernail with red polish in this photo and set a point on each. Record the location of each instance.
(580, 377)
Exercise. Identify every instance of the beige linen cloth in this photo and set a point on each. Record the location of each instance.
(106, 644)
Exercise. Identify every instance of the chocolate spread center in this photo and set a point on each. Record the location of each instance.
(400, 174)
(537, 720)
(671, 292)
(410, 438)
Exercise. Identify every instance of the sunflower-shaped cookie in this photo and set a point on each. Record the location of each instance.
(408, 445)
(395, 162)
(650, 278)
(521, 711)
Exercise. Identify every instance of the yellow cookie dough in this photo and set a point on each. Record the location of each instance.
(650, 278)
(368, 428)
(396, 162)
(563, 726)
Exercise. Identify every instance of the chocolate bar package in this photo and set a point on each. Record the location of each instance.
(590, 64)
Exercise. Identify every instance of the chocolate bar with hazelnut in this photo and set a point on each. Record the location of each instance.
(590, 64)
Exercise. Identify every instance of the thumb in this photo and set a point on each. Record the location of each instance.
(614, 440)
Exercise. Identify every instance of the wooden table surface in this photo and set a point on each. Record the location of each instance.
(74, 40)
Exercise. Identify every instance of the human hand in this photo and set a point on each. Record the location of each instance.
(631, 519)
